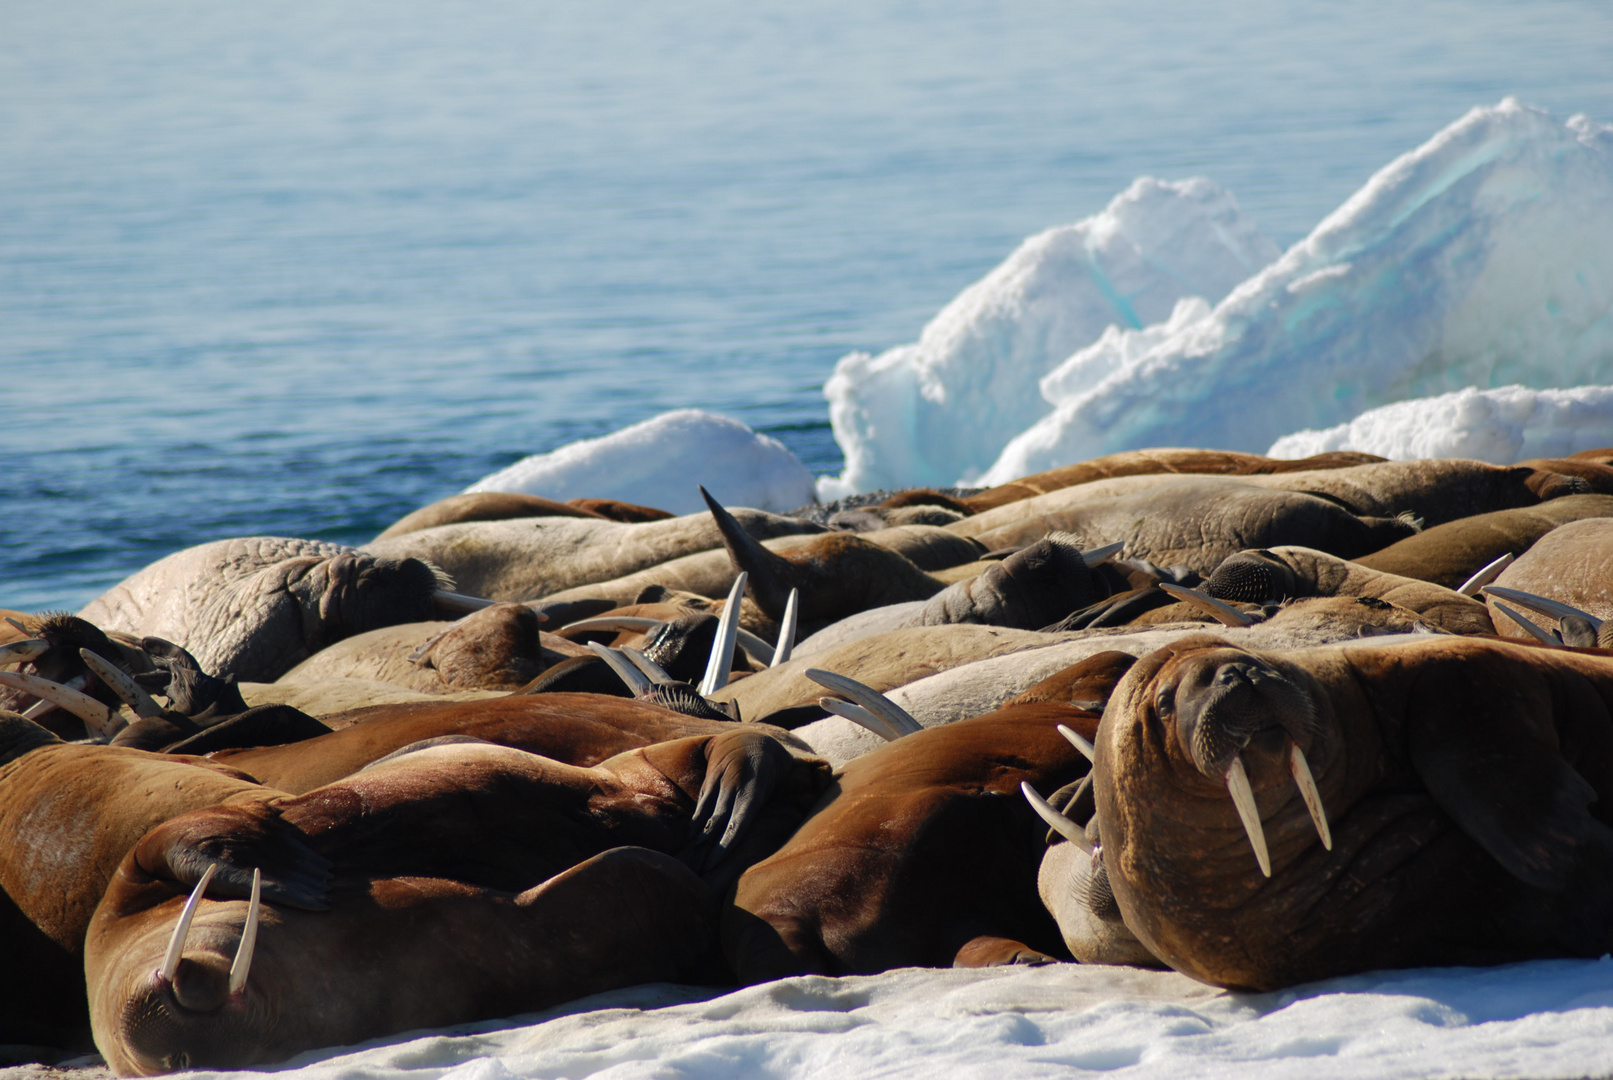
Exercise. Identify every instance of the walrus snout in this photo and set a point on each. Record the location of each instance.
(1253, 577)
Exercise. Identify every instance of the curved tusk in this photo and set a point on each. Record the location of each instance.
(1088, 751)
(121, 684)
(721, 662)
(1309, 792)
(760, 650)
(86, 708)
(1055, 820)
(458, 603)
(1528, 624)
(249, 936)
(860, 716)
(787, 626)
(1489, 573)
(20, 652)
(1100, 555)
(18, 625)
(1243, 797)
(900, 720)
(1552, 609)
(633, 623)
(176, 944)
(635, 680)
(1221, 612)
(657, 674)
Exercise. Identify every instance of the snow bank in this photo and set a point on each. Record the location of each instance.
(943, 408)
(1543, 1019)
(661, 461)
(1482, 258)
(1501, 426)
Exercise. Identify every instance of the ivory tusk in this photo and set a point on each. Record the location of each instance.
(1088, 751)
(20, 652)
(721, 663)
(458, 603)
(176, 944)
(242, 964)
(1100, 555)
(632, 676)
(1223, 613)
(1552, 609)
(657, 674)
(1055, 820)
(1309, 792)
(121, 684)
(787, 626)
(634, 623)
(86, 708)
(1487, 574)
(1243, 797)
(759, 650)
(1528, 624)
(900, 720)
(18, 625)
(860, 716)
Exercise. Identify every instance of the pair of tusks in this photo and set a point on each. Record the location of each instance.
(242, 964)
(1552, 609)
(96, 716)
(771, 655)
(868, 708)
(1221, 612)
(639, 672)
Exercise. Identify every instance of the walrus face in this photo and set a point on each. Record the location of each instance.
(1253, 577)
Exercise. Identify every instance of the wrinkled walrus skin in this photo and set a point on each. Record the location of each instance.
(408, 911)
(1468, 784)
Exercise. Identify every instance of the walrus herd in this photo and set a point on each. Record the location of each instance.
(1259, 721)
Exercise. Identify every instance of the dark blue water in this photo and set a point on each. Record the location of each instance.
(299, 268)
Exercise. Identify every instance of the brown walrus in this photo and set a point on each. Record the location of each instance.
(429, 916)
(1458, 813)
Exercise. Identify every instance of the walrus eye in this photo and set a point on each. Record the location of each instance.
(1165, 703)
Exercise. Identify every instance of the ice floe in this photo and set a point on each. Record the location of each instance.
(1503, 425)
(942, 408)
(661, 461)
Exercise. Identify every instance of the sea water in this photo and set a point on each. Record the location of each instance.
(299, 268)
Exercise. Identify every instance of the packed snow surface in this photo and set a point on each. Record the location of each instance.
(1542, 1019)
(661, 462)
(1503, 425)
(941, 409)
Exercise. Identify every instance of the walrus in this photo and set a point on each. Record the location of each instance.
(1572, 564)
(482, 506)
(409, 912)
(1280, 817)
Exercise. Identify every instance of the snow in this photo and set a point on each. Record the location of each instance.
(1507, 424)
(1482, 258)
(942, 408)
(1539, 1019)
(660, 462)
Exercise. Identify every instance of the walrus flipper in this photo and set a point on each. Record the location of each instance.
(237, 839)
(1506, 787)
(743, 771)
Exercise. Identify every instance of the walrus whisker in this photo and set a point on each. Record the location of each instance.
(20, 652)
(1552, 609)
(81, 705)
(459, 604)
(860, 716)
(1100, 555)
(632, 676)
(1528, 624)
(1222, 612)
(787, 627)
(657, 674)
(1308, 791)
(121, 684)
(176, 943)
(1055, 820)
(1243, 797)
(1485, 575)
(900, 720)
(721, 661)
(634, 623)
(242, 964)
(1088, 751)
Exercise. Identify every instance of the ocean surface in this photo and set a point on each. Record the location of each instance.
(299, 268)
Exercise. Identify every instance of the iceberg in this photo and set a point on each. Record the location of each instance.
(1504, 425)
(943, 408)
(1482, 258)
(661, 461)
